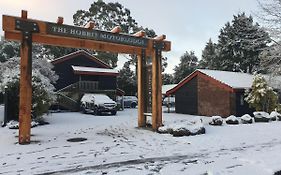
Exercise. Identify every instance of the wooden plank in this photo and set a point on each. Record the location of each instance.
(76, 43)
(60, 20)
(155, 84)
(25, 93)
(140, 33)
(116, 29)
(9, 26)
(141, 90)
(159, 116)
(90, 25)
(160, 38)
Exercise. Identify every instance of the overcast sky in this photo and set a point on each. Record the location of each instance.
(188, 24)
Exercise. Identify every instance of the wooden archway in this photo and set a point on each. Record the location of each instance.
(28, 31)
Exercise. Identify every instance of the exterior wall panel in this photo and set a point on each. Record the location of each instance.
(186, 98)
(213, 100)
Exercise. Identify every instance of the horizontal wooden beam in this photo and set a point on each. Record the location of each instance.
(9, 26)
(160, 37)
(140, 34)
(60, 20)
(24, 14)
(90, 25)
(116, 29)
(76, 43)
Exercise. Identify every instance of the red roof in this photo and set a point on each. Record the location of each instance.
(80, 52)
(201, 75)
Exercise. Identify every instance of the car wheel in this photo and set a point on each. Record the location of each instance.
(113, 112)
(83, 110)
(96, 112)
(133, 105)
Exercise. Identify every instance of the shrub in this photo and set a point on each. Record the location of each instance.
(246, 119)
(232, 120)
(216, 120)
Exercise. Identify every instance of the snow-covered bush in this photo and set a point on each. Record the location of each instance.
(261, 97)
(216, 120)
(246, 119)
(275, 115)
(183, 128)
(15, 124)
(232, 120)
(42, 88)
(261, 116)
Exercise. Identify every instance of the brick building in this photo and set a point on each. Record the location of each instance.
(211, 92)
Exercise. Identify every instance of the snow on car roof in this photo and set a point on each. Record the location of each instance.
(94, 97)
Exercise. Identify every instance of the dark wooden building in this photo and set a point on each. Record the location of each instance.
(80, 73)
(211, 92)
(82, 67)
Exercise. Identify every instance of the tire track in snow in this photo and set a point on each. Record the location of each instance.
(192, 159)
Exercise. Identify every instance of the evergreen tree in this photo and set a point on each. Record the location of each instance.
(210, 58)
(107, 16)
(261, 96)
(167, 79)
(8, 49)
(42, 85)
(240, 44)
(127, 80)
(188, 63)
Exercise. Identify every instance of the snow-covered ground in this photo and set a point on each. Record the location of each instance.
(115, 145)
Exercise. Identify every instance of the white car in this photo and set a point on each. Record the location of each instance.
(129, 101)
(97, 104)
(169, 102)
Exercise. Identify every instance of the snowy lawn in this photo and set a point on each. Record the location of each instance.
(115, 146)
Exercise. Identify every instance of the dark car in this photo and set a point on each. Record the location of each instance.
(97, 104)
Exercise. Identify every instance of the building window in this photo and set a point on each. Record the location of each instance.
(242, 100)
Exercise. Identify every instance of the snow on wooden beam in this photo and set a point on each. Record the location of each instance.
(160, 37)
(90, 25)
(140, 34)
(116, 29)
(60, 20)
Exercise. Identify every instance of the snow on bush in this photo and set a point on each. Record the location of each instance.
(261, 97)
(183, 128)
(246, 119)
(275, 116)
(216, 120)
(15, 124)
(232, 120)
(42, 78)
(261, 116)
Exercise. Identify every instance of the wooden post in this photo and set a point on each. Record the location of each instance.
(25, 88)
(155, 91)
(141, 90)
(159, 58)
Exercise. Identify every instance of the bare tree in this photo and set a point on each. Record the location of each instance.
(270, 16)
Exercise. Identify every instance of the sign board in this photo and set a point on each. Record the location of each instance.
(98, 35)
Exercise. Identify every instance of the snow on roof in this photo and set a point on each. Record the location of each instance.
(80, 52)
(167, 87)
(93, 69)
(239, 80)
(233, 80)
(236, 80)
